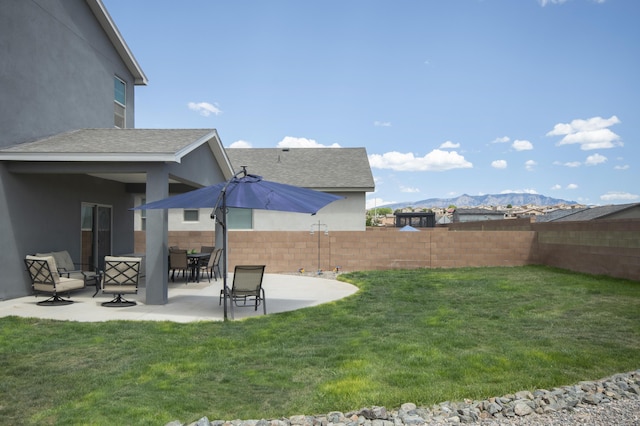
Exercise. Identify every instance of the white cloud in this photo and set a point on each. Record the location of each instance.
(592, 133)
(594, 159)
(293, 142)
(408, 189)
(519, 191)
(573, 164)
(503, 139)
(530, 165)
(241, 144)
(624, 167)
(382, 123)
(499, 164)
(619, 196)
(435, 161)
(522, 145)
(543, 3)
(376, 202)
(204, 108)
(572, 186)
(556, 187)
(449, 145)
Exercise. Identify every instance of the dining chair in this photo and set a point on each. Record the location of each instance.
(178, 262)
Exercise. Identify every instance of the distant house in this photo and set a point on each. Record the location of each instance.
(415, 219)
(475, 215)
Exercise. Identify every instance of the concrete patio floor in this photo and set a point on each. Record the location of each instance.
(187, 302)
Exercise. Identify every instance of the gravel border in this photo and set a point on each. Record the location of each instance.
(614, 400)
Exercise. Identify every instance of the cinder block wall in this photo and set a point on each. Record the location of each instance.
(599, 247)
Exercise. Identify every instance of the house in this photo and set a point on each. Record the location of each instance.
(416, 219)
(477, 214)
(341, 171)
(70, 157)
(73, 165)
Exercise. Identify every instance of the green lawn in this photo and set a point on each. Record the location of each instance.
(421, 336)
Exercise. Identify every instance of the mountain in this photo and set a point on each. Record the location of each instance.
(515, 199)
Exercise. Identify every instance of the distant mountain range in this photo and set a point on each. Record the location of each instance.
(515, 199)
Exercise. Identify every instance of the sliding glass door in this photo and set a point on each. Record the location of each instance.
(96, 234)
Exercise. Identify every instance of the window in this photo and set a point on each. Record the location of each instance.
(240, 218)
(191, 215)
(120, 103)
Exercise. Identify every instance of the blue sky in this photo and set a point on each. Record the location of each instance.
(448, 97)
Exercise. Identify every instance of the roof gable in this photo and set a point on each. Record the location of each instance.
(109, 27)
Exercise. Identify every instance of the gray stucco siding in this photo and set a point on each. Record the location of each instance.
(44, 215)
(60, 73)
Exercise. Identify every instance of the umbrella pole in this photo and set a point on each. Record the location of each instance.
(225, 243)
(224, 252)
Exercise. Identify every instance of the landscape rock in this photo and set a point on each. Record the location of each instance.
(524, 407)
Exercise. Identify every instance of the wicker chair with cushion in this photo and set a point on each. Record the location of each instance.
(121, 276)
(45, 279)
(70, 269)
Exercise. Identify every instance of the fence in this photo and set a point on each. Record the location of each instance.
(599, 247)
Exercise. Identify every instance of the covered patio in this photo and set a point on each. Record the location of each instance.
(194, 301)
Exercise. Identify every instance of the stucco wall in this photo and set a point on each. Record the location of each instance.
(342, 215)
(59, 70)
(44, 215)
(608, 247)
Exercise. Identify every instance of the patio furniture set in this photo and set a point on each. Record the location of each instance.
(55, 274)
(193, 264)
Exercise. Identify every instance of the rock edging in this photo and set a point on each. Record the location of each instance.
(511, 406)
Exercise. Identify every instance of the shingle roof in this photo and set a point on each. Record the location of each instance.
(557, 214)
(318, 168)
(478, 211)
(111, 144)
(596, 212)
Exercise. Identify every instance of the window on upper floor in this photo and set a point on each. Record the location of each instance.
(120, 102)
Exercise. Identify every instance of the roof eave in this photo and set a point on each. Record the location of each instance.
(345, 189)
(80, 157)
(109, 27)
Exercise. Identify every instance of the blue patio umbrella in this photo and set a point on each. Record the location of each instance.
(245, 191)
(248, 192)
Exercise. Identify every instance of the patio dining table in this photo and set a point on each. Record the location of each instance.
(195, 261)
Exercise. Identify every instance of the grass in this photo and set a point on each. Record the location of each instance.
(421, 336)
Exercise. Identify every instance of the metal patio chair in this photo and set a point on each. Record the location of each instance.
(246, 289)
(45, 279)
(121, 276)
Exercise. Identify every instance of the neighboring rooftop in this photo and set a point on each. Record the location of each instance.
(602, 212)
(341, 169)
